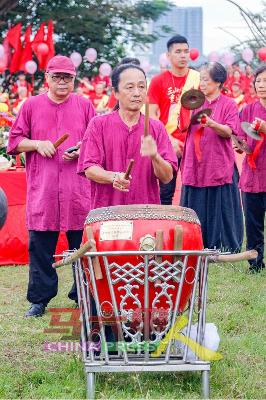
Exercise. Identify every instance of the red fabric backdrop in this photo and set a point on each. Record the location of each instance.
(14, 235)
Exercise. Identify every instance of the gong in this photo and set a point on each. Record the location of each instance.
(192, 99)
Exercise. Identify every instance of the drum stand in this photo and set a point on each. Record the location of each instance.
(176, 356)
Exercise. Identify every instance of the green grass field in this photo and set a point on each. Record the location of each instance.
(236, 304)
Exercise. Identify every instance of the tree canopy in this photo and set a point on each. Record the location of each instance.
(109, 26)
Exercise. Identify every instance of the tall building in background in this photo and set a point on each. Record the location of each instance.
(185, 21)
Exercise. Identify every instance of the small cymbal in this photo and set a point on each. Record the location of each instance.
(241, 144)
(199, 115)
(247, 128)
(192, 99)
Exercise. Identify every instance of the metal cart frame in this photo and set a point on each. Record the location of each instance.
(128, 279)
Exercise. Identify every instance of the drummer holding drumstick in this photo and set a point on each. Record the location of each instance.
(57, 198)
(253, 177)
(112, 140)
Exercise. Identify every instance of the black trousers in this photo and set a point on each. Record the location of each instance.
(167, 190)
(43, 279)
(254, 205)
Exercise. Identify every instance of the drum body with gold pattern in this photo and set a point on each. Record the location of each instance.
(135, 227)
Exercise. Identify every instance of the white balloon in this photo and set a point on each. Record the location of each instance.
(31, 67)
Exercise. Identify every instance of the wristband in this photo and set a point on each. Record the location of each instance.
(116, 173)
(37, 145)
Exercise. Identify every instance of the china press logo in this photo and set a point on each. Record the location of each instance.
(72, 327)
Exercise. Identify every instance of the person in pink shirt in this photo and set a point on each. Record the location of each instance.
(208, 168)
(253, 177)
(57, 198)
(113, 139)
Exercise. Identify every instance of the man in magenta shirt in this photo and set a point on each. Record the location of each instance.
(57, 198)
(112, 140)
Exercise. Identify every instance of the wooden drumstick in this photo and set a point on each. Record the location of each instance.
(146, 130)
(129, 168)
(76, 255)
(246, 255)
(61, 140)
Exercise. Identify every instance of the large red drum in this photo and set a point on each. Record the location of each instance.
(122, 228)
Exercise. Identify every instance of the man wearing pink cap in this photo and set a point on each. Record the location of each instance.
(57, 198)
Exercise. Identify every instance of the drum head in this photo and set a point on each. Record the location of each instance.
(246, 126)
(192, 99)
(241, 144)
(199, 114)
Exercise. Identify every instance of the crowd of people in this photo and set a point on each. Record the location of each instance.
(63, 186)
(239, 86)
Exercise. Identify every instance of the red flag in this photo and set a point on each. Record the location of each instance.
(50, 43)
(27, 52)
(14, 40)
(39, 38)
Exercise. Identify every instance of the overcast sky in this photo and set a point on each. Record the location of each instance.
(220, 13)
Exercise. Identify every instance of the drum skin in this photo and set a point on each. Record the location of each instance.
(192, 240)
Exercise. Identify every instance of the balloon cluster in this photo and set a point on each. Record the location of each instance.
(91, 55)
(247, 55)
(31, 66)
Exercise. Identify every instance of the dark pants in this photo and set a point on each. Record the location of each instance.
(43, 279)
(220, 213)
(167, 190)
(254, 205)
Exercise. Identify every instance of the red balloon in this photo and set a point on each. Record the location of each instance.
(262, 53)
(194, 53)
(43, 49)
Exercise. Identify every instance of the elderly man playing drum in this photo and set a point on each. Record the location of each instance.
(112, 140)
(57, 198)
(208, 168)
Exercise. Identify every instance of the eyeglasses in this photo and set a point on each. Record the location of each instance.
(57, 79)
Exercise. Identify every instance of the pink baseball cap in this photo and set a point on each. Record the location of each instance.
(61, 64)
(236, 83)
